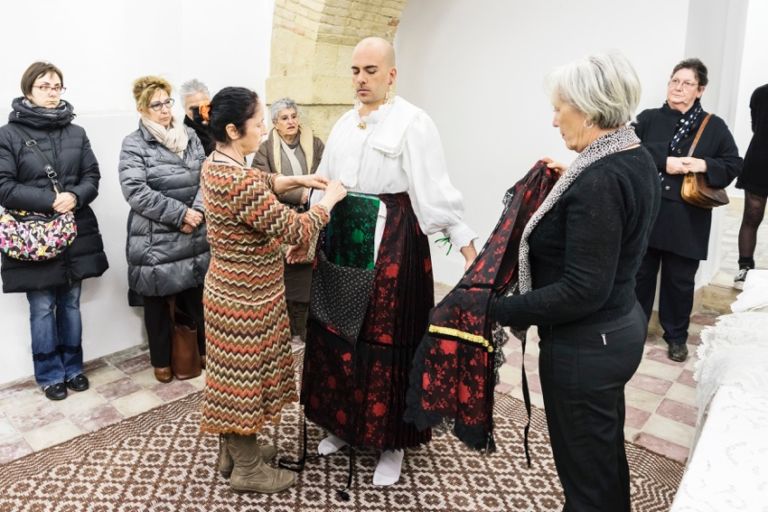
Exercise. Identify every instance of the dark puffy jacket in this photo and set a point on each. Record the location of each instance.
(159, 186)
(24, 186)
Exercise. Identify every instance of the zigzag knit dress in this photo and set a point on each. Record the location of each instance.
(249, 375)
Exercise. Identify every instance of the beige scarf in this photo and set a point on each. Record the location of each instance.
(307, 143)
(174, 138)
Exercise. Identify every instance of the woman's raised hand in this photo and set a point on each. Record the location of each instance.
(312, 181)
(282, 184)
(334, 192)
(558, 167)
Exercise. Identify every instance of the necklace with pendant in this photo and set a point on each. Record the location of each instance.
(241, 164)
(362, 124)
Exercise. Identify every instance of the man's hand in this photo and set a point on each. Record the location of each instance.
(187, 228)
(469, 253)
(64, 202)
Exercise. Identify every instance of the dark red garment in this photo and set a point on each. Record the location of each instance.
(357, 392)
(454, 370)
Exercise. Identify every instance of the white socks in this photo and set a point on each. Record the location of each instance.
(330, 444)
(387, 470)
(389, 466)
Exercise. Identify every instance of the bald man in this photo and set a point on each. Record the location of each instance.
(391, 150)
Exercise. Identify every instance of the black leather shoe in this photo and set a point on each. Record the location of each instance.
(56, 391)
(78, 383)
(678, 352)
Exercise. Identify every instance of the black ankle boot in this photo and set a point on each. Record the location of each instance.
(55, 391)
(678, 352)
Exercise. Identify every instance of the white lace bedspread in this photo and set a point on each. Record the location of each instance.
(728, 466)
(729, 469)
(733, 352)
(755, 294)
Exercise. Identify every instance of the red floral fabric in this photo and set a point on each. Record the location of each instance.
(358, 392)
(453, 378)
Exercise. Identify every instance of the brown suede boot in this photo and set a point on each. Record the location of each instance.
(250, 472)
(225, 462)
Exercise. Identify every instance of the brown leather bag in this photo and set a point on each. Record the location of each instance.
(185, 356)
(696, 191)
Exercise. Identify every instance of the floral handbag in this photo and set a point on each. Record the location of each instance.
(33, 236)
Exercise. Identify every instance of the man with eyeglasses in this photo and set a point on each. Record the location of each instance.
(680, 236)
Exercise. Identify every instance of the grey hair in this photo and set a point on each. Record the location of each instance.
(603, 87)
(193, 86)
(282, 104)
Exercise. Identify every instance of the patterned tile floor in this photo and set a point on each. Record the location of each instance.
(660, 398)
(122, 385)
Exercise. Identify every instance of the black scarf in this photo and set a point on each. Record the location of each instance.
(685, 126)
(26, 113)
(202, 133)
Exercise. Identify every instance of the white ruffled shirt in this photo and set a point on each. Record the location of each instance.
(399, 150)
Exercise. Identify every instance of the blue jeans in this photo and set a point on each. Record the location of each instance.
(54, 319)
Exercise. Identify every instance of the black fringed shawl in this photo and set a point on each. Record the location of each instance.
(454, 368)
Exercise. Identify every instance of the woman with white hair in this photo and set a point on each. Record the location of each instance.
(292, 150)
(195, 94)
(579, 254)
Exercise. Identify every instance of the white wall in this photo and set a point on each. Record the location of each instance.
(754, 70)
(716, 35)
(101, 47)
(480, 73)
(479, 70)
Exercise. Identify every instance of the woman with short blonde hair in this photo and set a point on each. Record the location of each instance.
(167, 249)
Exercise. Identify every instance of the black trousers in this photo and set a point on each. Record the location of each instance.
(157, 320)
(297, 316)
(678, 277)
(583, 372)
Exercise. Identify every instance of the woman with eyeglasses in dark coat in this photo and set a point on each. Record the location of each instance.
(680, 236)
(52, 286)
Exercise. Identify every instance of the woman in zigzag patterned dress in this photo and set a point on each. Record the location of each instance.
(249, 365)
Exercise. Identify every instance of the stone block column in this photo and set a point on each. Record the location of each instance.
(312, 43)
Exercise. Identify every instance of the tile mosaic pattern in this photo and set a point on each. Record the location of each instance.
(660, 399)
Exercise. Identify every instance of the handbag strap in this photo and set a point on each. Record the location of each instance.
(698, 133)
(31, 143)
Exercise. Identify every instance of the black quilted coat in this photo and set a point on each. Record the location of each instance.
(24, 185)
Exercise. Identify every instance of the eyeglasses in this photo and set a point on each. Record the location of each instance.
(58, 89)
(158, 105)
(675, 83)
